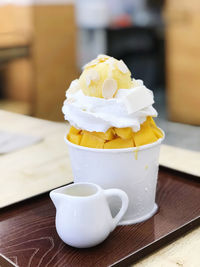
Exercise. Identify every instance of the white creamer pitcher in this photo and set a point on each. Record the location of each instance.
(83, 216)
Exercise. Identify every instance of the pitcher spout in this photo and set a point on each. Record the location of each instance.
(56, 198)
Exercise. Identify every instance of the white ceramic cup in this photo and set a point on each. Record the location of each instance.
(83, 216)
(134, 170)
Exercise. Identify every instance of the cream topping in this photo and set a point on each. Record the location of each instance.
(129, 108)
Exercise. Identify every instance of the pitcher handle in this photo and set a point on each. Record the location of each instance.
(124, 198)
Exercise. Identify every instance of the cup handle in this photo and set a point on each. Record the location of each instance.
(124, 198)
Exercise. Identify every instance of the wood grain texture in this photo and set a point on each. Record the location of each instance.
(182, 252)
(54, 57)
(5, 262)
(180, 159)
(35, 169)
(28, 236)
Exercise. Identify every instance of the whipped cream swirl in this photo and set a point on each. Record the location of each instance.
(129, 108)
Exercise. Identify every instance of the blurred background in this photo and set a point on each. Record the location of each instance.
(44, 44)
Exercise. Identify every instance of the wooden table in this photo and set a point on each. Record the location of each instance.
(28, 236)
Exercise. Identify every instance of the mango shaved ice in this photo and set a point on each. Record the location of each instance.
(115, 138)
(106, 97)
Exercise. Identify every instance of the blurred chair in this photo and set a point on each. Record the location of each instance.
(183, 60)
(39, 78)
(16, 32)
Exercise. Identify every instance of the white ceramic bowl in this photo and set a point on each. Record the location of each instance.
(133, 170)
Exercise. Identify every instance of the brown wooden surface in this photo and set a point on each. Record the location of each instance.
(38, 168)
(18, 80)
(16, 26)
(28, 236)
(183, 60)
(5, 262)
(54, 57)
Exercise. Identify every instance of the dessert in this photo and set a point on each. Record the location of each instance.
(113, 140)
(107, 109)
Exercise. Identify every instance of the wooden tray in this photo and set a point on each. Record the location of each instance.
(29, 237)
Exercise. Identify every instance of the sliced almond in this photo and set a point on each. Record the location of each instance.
(122, 66)
(87, 80)
(109, 88)
(102, 57)
(94, 62)
(111, 63)
(94, 75)
(91, 75)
